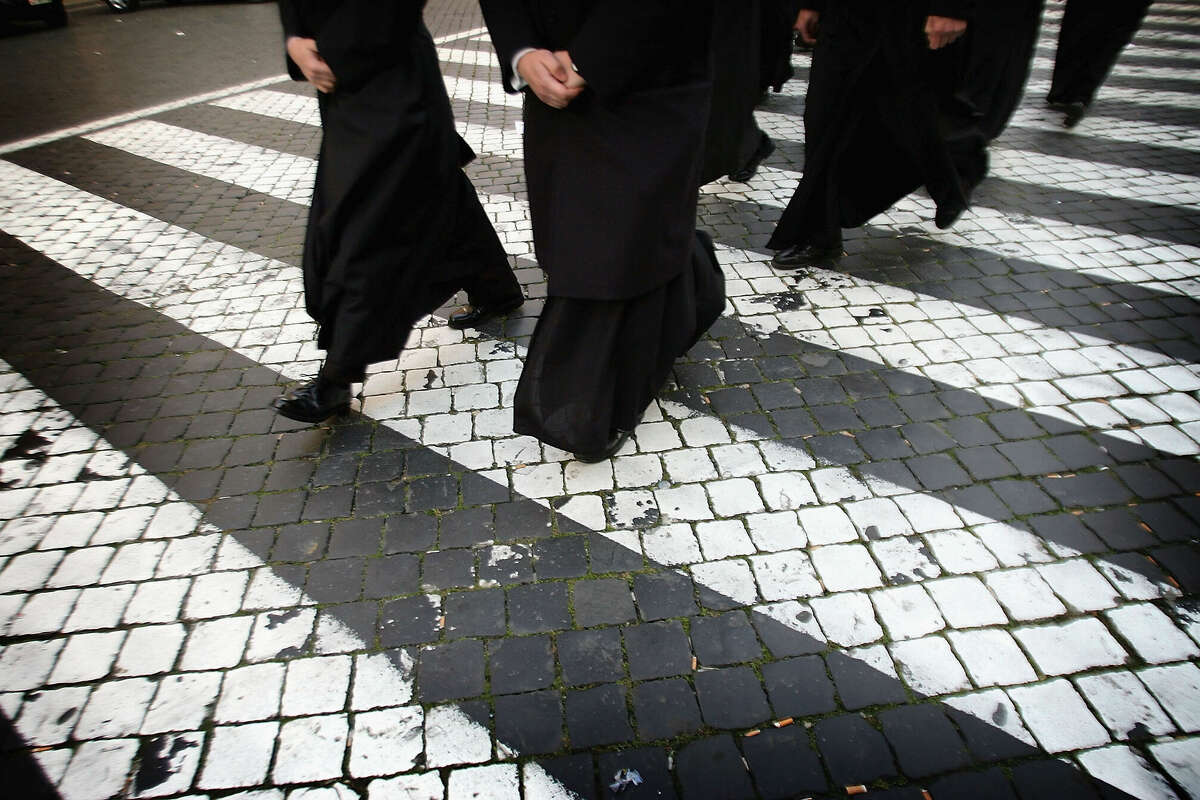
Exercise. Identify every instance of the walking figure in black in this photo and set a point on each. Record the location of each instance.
(1091, 38)
(395, 227)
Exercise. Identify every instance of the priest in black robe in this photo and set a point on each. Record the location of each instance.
(880, 120)
(616, 101)
(395, 227)
(734, 145)
(1001, 46)
(1091, 38)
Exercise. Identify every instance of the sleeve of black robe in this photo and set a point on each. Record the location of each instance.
(364, 37)
(954, 9)
(511, 28)
(616, 47)
(289, 17)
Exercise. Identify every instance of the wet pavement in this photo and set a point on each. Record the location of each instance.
(925, 523)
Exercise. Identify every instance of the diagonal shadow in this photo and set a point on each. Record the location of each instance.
(23, 776)
(59, 328)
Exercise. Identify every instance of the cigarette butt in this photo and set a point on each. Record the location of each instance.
(926, 795)
(1173, 582)
(693, 663)
(1146, 527)
(783, 723)
(859, 789)
(754, 732)
(441, 623)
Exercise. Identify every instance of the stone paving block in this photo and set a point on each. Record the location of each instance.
(1125, 770)
(1071, 647)
(924, 740)
(712, 766)
(250, 693)
(99, 768)
(928, 666)
(725, 639)
(907, 612)
(238, 756)
(451, 671)
(1024, 595)
(594, 656)
(799, 687)
(532, 722)
(521, 664)
(1175, 688)
(315, 685)
(385, 742)
(965, 602)
(1124, 705)
(1057, 717)
(602, 601)
(854, 752)
(731, 697)
(847, 619)
(49, 717)
(1153, 635)
(664, 595)
(659, 649)
(664, 709)
(597, 716)
(990, 726)
(847, 566)
(310, 749)
(865, 677)
(1180, 759)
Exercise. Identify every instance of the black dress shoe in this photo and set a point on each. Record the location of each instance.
(805, 255)
(1072, 113)
(615, 442)
(746, 172)
(470, 316)
(315, 402)
(947, 214)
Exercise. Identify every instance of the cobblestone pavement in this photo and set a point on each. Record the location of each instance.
(925, 522)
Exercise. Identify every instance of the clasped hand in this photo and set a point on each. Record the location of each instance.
(304, 52)
(551, 76)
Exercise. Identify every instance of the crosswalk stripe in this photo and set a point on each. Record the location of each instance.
(289, 177)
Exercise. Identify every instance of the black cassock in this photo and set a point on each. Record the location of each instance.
(775, 51)
(395, 226)
(1000, 46)
(737, 44)
(880, 119)
(612, 182)
(1091, 38)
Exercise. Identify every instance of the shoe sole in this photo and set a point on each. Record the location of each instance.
(499, 312)
(340, 411)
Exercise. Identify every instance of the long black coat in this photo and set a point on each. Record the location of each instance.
(875, 119)
(1090, 40)
(388, 176)
(732, 132)
(612, 178)
(1000, 45)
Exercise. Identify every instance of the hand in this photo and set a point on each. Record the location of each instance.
(806, 24)
(304, 53)
(941, 31)
(574, 79)
(547, 77)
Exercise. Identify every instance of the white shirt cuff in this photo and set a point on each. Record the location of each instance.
(518, 83)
